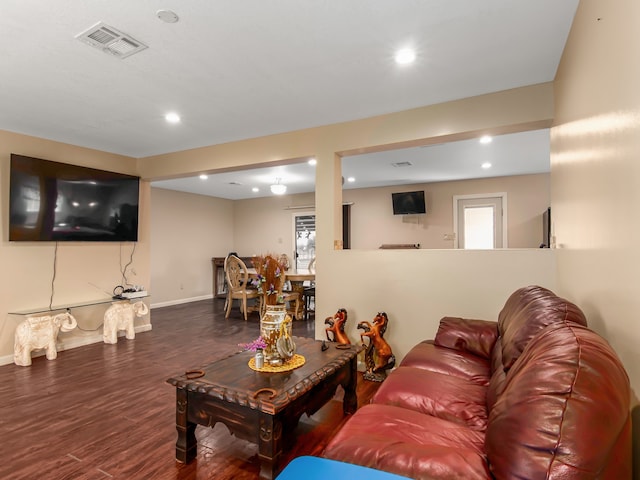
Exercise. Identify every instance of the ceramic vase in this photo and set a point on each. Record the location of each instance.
(271, 329)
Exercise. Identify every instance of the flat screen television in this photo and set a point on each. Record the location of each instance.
(51, 201)
(408, 203)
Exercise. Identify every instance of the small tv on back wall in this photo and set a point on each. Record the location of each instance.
(408, 203)
(51, 201)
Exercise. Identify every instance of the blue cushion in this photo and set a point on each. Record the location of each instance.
(315, 468)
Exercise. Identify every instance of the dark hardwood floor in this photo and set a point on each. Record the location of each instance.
(104, 411)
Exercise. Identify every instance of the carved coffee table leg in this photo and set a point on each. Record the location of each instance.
(269, 445)
(350, 401)
(186, 445)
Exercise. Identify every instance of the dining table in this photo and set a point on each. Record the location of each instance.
(293, 275)
(297, 277)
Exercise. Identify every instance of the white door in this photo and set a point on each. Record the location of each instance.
(480, 221)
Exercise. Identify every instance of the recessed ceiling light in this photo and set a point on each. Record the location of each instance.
(486, 139)
(204, 176)
(486, 165)
(405, 56)
(255, 189)
(351, 179)
(312, 161)
(172, 117)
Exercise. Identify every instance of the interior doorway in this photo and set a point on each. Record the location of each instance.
(479, 221)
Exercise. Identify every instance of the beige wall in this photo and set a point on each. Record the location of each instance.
(373, 222)
(595, 172)
(187, 231)
(83, 271)
(264, 225)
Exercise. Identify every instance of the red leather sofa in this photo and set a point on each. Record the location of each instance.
(535, 395)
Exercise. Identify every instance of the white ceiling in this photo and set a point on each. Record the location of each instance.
(241, 69)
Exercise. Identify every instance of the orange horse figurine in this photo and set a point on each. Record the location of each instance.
(378, 355)
(336, 327)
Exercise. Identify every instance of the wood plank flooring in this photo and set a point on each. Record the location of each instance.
(105, 412)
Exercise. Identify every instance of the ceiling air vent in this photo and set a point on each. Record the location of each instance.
(111, 40)
(402, 164)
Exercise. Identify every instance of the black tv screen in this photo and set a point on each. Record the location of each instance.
(51, 201)
(408, 203)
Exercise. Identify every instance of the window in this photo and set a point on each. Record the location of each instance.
(305, 239)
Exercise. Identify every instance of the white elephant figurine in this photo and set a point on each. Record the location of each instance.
(119, 316)
(40, 332)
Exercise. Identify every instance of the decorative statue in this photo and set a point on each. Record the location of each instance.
(284, 344)
(40, 332)
(336, 327)
(119, 316)
(377, 355)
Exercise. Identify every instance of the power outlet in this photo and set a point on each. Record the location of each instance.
(449, 236)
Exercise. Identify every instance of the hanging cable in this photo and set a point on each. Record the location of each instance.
(53, 279)
(123, 271)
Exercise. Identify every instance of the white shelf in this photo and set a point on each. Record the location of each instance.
(70, 306)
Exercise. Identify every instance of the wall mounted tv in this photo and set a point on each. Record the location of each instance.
(408, 203)
(51, 201)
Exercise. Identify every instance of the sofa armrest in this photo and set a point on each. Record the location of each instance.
(474, 336)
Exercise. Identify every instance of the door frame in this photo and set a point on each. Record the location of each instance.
(478, 196)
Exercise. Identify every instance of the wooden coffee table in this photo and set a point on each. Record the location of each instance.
(263, 408)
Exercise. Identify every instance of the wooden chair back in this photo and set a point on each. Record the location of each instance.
(237, 273)
(285, 261)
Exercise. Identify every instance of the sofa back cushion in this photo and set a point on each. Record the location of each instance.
(527, 311)
(563, 412)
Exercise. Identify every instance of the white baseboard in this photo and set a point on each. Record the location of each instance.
(93, 337)
(6, 360)
(181, 301)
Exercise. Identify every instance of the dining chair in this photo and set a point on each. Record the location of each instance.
(291, 298)
(310, 293)
(226, 283)
(238, 285)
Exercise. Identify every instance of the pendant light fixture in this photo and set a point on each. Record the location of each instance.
(278, 188)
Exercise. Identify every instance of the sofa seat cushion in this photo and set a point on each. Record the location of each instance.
(405, 442)
(444, 396)
(448, 361)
